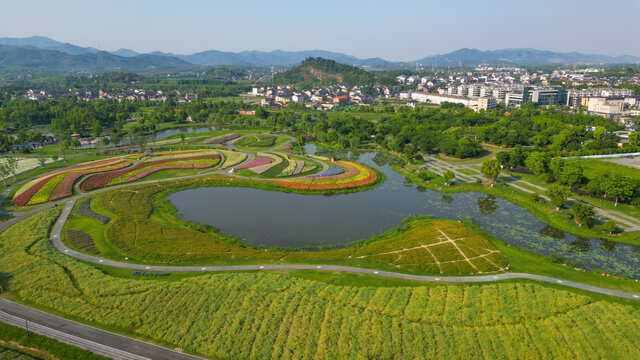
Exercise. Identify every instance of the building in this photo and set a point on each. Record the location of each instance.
(485, 103)
(605, 107)
(439, 99)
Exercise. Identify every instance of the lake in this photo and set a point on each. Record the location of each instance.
(272, 218)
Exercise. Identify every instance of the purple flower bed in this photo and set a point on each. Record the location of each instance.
(334, 170)
(257, 162)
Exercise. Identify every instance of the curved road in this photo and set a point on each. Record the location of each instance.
(66, 211)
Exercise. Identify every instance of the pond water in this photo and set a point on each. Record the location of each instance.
(163, 134)
(271, 218)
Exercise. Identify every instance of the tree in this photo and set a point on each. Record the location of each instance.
(611, 227)
(571, 174)
(599, 132)
(558, 195)
(634, 138)
(448, 176)
(583, 213)
(555, 166)
(42, 160)
(537, 162)
(4, 172)
(490, 169)
(620, 187)
(11, 162)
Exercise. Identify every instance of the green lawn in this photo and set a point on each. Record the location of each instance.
(260, 142)
(490, 152)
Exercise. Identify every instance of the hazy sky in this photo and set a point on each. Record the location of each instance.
(392, 29)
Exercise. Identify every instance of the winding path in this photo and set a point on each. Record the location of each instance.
(56, 239)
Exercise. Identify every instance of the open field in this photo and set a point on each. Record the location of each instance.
(267, 315)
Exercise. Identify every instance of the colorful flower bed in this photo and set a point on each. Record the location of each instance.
(56, 185)
(263, 168)
(334, 170)
(357, 175)
(232, 158)
(256, 162)
(148, 171)
(116, 177)
(65, 187)
(221, 139)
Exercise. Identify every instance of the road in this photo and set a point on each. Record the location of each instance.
(86, 337)
(56, 239)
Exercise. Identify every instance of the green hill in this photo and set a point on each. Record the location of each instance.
(323, 72)
(20, 59)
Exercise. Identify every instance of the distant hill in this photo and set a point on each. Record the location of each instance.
(319, 71)
(23, 59)
(41, 42)
(473, 57)
(278, 58)
(125, 52)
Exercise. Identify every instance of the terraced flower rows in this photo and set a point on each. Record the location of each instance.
(356, 175)
(251, 315)
(221, 139)
(187, 160)
(59, 184)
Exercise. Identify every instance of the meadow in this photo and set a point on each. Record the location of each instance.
(266, 315)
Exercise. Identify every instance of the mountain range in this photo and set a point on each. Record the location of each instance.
(39, 53)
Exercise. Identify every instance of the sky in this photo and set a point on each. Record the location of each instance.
(403, 30)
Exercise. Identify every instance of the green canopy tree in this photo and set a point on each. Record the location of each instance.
(558, 195)
(490, 169)
(583, 213)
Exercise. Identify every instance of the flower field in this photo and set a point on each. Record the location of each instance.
(260, 161)
(232, 158)
(81, 240)
(261, 315)
(193, 160)
(59, 184)
(221, 139)
(335, 178)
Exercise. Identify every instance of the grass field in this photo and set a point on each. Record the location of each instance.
(260, 142)
(490, 152)
(257, 315)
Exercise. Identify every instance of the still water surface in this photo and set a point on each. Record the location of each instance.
(272, 218)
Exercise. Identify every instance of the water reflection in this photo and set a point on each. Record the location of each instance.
(608, 246)
(580, 245)
(487, 204)
(447, 198)
(552, 232)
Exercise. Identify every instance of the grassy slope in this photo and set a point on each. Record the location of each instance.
(297, 315)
